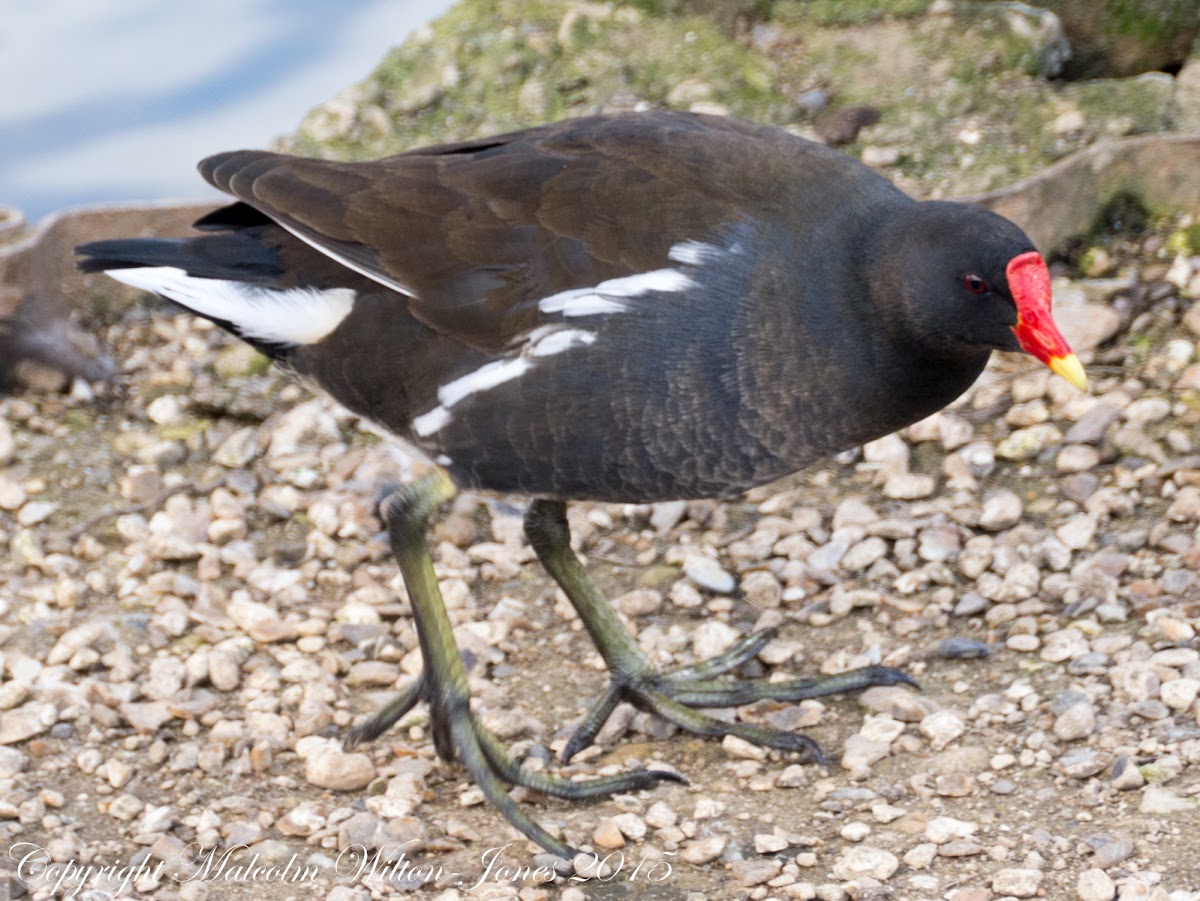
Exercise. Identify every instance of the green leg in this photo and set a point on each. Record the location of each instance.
(673, 695)
(457, 734)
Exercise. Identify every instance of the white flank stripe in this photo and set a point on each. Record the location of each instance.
(484, 378)
(609, 296)
(288, 316)
(666, 281)
(694, 253)
(428, 423)
(558, 340)
(580, 302)
(541, 342)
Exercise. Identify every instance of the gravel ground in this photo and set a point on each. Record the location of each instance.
(198, 601)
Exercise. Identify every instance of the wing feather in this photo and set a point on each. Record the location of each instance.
(476, 233)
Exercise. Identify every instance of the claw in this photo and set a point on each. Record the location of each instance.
(370, 729)
(673, 694)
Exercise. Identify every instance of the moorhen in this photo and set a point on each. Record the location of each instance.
(632, 308)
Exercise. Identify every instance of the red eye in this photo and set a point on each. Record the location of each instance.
(975, 284)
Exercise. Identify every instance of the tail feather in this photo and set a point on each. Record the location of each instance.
(230, 278)
(232, 255)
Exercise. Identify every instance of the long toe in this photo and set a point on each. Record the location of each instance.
(674, 695)
(491, 766)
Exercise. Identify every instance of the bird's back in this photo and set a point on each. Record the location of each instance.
(632, 307)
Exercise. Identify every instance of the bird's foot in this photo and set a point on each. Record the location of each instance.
(457, 733)
(460, 736)
(675, 695)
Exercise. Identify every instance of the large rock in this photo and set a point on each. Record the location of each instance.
(1125, 37)
(40, 289)
(966, 104)
(944, 125)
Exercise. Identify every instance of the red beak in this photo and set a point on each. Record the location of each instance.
(1029, 282)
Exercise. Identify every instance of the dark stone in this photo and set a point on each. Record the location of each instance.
(842, 125)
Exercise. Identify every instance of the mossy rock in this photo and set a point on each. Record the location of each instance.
(1116, 38)
(485, 68)
(961, 88)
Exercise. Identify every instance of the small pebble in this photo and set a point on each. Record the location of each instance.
(1095, 885)
(713, 638)
(1082, 763)
(856, 831)
(1020, 882)
(942, 727)
(1077, 458)
(1159, 801)
(865, 860)
(962, 649)
(608, 835)
(909, 486)
(704, 850)
(1001, 510)
(1076, 722)
(708, 574)
(339, 772)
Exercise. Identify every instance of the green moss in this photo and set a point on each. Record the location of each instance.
(1141, 345)
(365, 439)
(79, 420)
(240, 360)
(489, 67)
(1090, 259)
(1156, 774)
(189, 642)
(1190, 399)
(658, 578)
(183, 431)
(153, 392)
(1125, 105)
(1184, 241)
(840, 13)
(1149, 22)
(486, 68)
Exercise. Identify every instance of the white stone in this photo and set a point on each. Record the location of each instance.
(1076, 722)
(856, 831)
(1020, 882)
(1157, 800)
(942, 727)
(1095, 885)
(339, 772)
(36, 512)
(707, 573)
(8, 445)
(940, 830)
(1178, 694)
(704, 850)
(1001, 510)
(713, 638)
(866, 860)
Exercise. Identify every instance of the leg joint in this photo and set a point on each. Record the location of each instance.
(546, 527)
(408, 509)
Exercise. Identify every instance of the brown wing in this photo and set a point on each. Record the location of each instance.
(477, 232)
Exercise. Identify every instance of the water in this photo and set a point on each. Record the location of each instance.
(117, 100)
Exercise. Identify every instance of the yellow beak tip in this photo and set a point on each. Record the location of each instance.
(1070, 369)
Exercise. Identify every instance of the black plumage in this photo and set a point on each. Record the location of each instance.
(624, 308)
(824, 313)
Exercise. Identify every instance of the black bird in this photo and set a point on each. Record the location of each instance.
(628, 308)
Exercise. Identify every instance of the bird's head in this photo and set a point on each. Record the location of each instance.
(973, 280)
